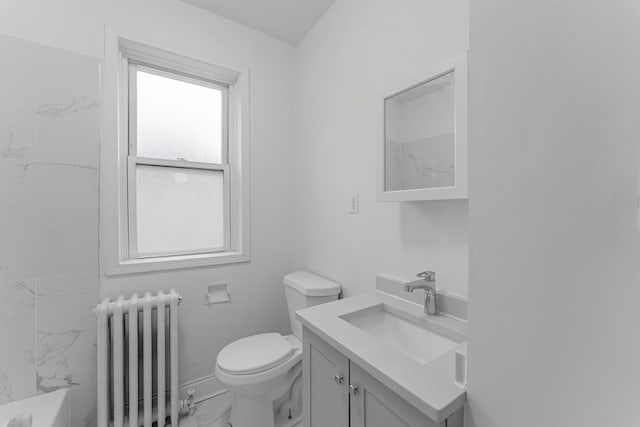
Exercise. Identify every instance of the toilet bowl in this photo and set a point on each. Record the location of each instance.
(264, 371)
(258, 378)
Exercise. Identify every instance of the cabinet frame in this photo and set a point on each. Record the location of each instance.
(352, 406)
(460, 190)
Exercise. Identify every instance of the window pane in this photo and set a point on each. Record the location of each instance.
(179, 209)
(176, 119)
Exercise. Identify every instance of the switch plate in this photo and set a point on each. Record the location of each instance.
(638, 211)
(355, 204)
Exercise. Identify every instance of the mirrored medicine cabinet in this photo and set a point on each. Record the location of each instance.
(423, 149)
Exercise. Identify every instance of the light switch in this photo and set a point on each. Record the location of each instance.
(638, 211)
(638, 197)
(355, 204)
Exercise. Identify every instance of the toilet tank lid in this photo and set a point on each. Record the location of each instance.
(310, 284)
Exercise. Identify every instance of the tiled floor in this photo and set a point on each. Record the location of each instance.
(215, 412)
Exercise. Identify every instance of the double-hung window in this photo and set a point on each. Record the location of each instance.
(182, 171)
(177, 166)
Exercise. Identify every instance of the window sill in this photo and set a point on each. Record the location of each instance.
(147, 265)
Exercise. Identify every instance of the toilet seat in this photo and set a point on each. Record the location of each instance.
(255, 365)
(254, 354)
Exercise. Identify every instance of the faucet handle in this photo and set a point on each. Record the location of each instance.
(429, 276)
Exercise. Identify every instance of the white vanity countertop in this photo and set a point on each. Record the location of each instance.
(429, 387)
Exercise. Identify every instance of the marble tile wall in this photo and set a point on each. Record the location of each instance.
(49, 277)
(428, 162)
(423, 163)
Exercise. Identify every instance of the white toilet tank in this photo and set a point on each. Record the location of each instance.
(304, 289)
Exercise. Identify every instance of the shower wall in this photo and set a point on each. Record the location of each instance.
(49, 277)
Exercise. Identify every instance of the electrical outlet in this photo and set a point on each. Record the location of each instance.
(355, 204)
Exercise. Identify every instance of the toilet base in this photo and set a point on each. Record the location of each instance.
(294, 422)
(247, 411)
(258, 412)
(274, 403)
(289, 416)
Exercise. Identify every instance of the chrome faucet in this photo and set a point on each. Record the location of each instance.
(428, 283)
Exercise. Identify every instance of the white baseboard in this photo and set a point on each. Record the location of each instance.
(205, 387)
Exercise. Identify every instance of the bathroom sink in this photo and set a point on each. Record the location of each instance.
(419, 338)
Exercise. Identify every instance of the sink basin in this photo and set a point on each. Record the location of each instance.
(416, 337)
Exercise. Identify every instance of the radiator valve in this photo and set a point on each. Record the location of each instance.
(188, 405)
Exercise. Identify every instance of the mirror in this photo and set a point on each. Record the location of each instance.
(424, 141)
(420, 136)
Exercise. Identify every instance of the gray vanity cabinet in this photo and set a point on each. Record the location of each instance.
(325, 384)
(374, 405)
(337, 392)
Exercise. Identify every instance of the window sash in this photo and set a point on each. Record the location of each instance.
(133, 67)
(133, 162)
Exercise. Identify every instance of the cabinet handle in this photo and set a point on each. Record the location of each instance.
(338, 379)
(353, 389)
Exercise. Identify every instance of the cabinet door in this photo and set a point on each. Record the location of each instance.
(325, 379)
(374, 405)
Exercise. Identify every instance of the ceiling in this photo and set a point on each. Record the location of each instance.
(287, 20)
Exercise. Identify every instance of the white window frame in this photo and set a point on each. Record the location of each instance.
(122, 57)
(134, 161)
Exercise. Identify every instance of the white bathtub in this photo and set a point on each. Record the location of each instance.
(47, 410)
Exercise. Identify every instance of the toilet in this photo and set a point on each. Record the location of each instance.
(264, 371)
